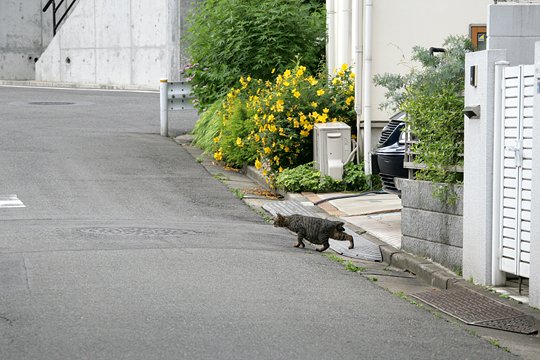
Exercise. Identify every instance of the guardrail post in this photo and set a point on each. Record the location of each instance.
(164, 119)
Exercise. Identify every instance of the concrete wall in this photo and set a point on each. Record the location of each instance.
(121, 42)
(515, 27)
(431, 228)
(478, 262)
(25, 31)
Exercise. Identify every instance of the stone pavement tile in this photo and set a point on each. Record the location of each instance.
(386, 227)
(365, 204)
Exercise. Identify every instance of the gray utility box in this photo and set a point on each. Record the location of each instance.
(331, 147)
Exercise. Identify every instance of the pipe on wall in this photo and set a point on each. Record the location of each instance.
(357, 37)
(331, 36)
(367, 83)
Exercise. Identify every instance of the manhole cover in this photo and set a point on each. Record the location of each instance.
(475, 309)
(137, 231)
(51, 103)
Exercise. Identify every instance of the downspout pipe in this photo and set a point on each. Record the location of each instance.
(331, 36)
(357, 38)
(367, 83)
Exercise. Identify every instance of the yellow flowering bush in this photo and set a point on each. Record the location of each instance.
(270, 123)
(285, 111)
(231, 144)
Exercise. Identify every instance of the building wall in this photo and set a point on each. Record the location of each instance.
(121, 42)
(516, 28)
(25, 32)
(398, 26)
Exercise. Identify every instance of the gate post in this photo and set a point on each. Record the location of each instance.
(534, 280)
(478, 167)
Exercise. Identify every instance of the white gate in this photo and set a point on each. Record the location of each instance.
(516, 168)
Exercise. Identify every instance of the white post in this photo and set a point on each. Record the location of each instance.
(331, 36)
(164, 119)
(497, 277)
(367, 84)
(357, 28)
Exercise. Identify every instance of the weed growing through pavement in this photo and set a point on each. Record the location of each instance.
(239, 194)
(220, 177)
(350, 266)
(335, 258)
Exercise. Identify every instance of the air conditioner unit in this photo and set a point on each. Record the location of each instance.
(331, 147)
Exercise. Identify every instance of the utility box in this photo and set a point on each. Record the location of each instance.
(331, 147)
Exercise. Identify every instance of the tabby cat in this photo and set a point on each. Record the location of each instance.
(313, 229)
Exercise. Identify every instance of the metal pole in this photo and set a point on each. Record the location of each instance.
(497, 277)
(368, 17)
(164, 119)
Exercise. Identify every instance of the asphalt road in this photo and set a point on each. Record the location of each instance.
(127, 248)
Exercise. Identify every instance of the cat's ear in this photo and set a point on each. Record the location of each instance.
(279, 216)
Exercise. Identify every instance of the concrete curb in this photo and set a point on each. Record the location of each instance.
(65, 85)
(429, 272)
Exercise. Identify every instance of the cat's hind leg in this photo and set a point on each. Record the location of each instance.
(300, 243)
(325, 246)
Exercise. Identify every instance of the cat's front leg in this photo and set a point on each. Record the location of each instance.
(300, 243)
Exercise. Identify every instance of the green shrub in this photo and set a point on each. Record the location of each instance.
(207, 127)
(432, 97)
(305, 178)
(228, 39)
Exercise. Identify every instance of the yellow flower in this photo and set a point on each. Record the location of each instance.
(344, 67)
(314, 104)
(218, 155)
(349, 100)
(273, 70)
(280, 169)
(239, 142)
(216, 139)
(287, 74)
(267, 150)
(257, 138)
(320, 92)
(258, 164)
(296, 94)
(351, 75)
(312, 81)
(300, 71)
(325, 110)
(304, 133)
(336, 81)
(279, 105)
(286, 149)
(351, 87)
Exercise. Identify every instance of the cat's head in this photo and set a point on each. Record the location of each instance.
(280, 220)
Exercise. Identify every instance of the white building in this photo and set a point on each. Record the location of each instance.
(377, 37)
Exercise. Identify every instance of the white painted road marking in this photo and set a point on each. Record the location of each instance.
(10, 201)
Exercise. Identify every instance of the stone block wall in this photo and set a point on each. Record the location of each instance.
(431, 228)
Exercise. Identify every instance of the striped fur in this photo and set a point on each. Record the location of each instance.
(313, 229)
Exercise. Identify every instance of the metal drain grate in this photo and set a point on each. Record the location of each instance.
(137, 231)
(475, 309)
(51, 103)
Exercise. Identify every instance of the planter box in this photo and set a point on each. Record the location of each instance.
(430, 227)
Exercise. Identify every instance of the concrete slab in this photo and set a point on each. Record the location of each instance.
(365, 204)
(385, 227)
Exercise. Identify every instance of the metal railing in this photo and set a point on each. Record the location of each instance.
(56, 7)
